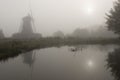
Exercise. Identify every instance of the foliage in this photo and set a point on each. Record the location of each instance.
(113, 18)
(113, 63)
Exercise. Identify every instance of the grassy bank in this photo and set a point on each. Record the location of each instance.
(13, 47)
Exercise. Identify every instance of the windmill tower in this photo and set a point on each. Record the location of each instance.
(27, 27)
(27, 24)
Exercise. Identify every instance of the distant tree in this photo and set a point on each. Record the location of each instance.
(103, 32)
(1, 34)
(80, 33)
(113, 18)
(59, 34)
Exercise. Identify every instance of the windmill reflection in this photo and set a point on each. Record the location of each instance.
(113, 63)
(29, 58)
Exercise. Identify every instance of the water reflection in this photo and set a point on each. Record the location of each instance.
(5, 57)
(114, 63)
(77, 49)
(29, 58)
(90, 63)
(87, 62)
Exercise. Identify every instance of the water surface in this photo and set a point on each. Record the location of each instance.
(83, 62)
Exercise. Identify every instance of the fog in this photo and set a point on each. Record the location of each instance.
(53, 15)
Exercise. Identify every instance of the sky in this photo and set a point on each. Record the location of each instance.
(53, 15)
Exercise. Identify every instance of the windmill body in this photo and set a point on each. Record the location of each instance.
(27, 25)
(26, 31)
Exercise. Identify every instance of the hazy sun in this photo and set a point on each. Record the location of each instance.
(89, 9)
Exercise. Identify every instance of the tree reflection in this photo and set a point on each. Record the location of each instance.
(6, 57)
(113, 63)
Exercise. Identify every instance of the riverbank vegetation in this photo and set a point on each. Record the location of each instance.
(13, 47)
(23, 45)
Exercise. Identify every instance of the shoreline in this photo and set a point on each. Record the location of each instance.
(14, 47)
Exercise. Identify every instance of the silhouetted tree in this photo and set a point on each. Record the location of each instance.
(113, 18)
(1, 34)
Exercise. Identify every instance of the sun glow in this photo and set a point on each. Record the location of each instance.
(90, 63)
(89, 9)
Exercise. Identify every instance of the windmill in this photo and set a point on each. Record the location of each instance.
(28, 25)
